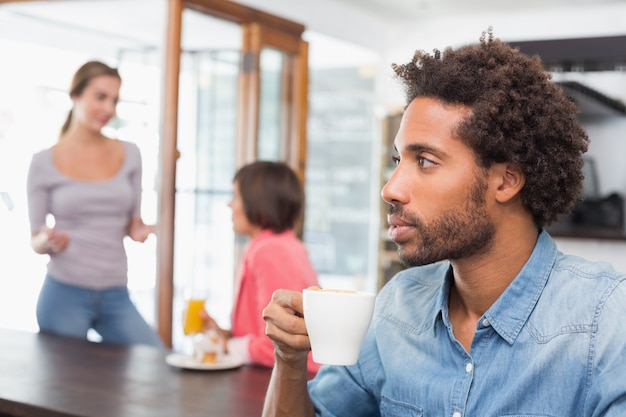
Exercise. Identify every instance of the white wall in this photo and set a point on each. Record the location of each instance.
(556, 23)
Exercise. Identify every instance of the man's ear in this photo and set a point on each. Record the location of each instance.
(511, 181)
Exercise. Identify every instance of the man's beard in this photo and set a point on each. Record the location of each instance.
(456, 233)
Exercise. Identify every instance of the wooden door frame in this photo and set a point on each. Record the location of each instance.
(167, 171)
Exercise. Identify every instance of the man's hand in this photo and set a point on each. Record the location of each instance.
(287, 394)
(285, 326)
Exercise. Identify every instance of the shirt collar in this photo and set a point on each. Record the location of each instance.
(511, 310)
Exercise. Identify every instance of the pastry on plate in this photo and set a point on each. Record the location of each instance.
(208, 347)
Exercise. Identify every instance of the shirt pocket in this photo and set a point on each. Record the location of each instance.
(393, 408)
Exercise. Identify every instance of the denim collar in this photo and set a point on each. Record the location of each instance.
(512, 309)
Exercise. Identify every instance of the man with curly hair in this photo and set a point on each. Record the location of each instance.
(491, 319)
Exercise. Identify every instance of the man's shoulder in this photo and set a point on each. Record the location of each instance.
(581, 288)
(573, 267)
(582, 281)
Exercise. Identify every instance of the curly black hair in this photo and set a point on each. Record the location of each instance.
(518, 115)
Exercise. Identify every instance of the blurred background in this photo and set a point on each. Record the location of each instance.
(353, 110)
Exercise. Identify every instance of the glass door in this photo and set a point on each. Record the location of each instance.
(270, 141)
(215, 84)
(205, 140)
(204, 252)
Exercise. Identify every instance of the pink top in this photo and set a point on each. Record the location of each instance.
(270, 262)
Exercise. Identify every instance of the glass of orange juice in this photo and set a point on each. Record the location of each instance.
(192, 322)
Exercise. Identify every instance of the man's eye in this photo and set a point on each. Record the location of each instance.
(424, 163)
(396, 160)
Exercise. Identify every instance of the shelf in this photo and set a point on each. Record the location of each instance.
(587, 232)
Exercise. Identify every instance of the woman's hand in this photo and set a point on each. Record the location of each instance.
(139, 231)
(211, 324)
(49, 241)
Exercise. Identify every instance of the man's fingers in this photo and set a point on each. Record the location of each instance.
(290, 300)
(285, 320)
(285, 325)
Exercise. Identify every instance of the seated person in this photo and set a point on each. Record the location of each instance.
(267, 203)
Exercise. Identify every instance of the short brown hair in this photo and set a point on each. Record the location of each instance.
(272, 195)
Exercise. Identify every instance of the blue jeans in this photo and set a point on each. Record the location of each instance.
(72, 311)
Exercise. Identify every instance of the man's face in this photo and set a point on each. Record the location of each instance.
(437, 192)
(241, 224)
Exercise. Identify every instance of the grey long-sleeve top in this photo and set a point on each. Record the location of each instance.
(95, 214)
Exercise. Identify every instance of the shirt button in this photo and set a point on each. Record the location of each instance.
(486, 323)
(469, 367)
(456, 414)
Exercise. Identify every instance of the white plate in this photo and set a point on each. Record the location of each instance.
(180, 360)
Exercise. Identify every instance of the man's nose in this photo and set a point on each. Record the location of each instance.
(396, 189)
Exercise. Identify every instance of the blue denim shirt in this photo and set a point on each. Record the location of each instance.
(553, 344)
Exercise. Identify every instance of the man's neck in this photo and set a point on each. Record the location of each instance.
(479, 281)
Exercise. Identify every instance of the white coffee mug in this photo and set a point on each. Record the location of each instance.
(337, 321)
